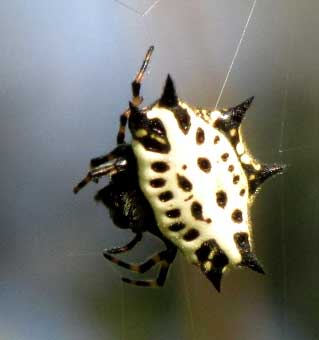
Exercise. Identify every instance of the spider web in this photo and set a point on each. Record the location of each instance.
(141, 8)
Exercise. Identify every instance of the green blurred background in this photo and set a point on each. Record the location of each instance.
(65, 73)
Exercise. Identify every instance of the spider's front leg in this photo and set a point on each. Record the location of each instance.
(136, 98)
(110, 168)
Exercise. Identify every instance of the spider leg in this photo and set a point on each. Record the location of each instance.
(138, 268)
(136, 84)
(101, 160)
(159, 282)
(166, 258)
(125, 248)
(162, 275)
(121, 132)
(136, 98)
(119, 151)
(109, 168)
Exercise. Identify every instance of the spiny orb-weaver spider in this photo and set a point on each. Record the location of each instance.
(186, 178)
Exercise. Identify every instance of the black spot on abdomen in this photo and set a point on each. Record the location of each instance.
(221, 198)
(237, 216)
(173, 213)
(197, 210)
(183, 118)
(200, 136)
(184, 183)
(204, 164)
(160, 166)
(191, 234)
(225, 156)
(176, 226)
(157, 182)
(236, 179)
(216, 139)
(165, 196)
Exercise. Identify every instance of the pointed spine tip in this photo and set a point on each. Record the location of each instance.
(169, 97)
(233, 117)
(215, 277)
(250, 100)
(255, 266)
(244, 106)
(263, 174)
(217, 284)
(269, 171)
(250, 261)
(239, 111)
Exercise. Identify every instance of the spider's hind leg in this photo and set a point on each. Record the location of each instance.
(162, 275)
(158, 282)
(136, 98)
(117, 250)
(165, 257)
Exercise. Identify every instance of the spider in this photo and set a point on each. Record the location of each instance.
(186, 178)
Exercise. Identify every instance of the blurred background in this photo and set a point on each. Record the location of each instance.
(65, 74)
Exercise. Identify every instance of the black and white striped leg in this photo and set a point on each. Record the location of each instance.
(137, 268)
(101, 160)
(109, 168)
(165, 257)
(136, 84)
(159, 282)
(136, 98)
(120, 139)
(137, 238)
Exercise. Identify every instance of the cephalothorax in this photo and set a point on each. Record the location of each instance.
(186, 178)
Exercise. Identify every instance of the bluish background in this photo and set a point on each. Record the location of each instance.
(65, 73)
